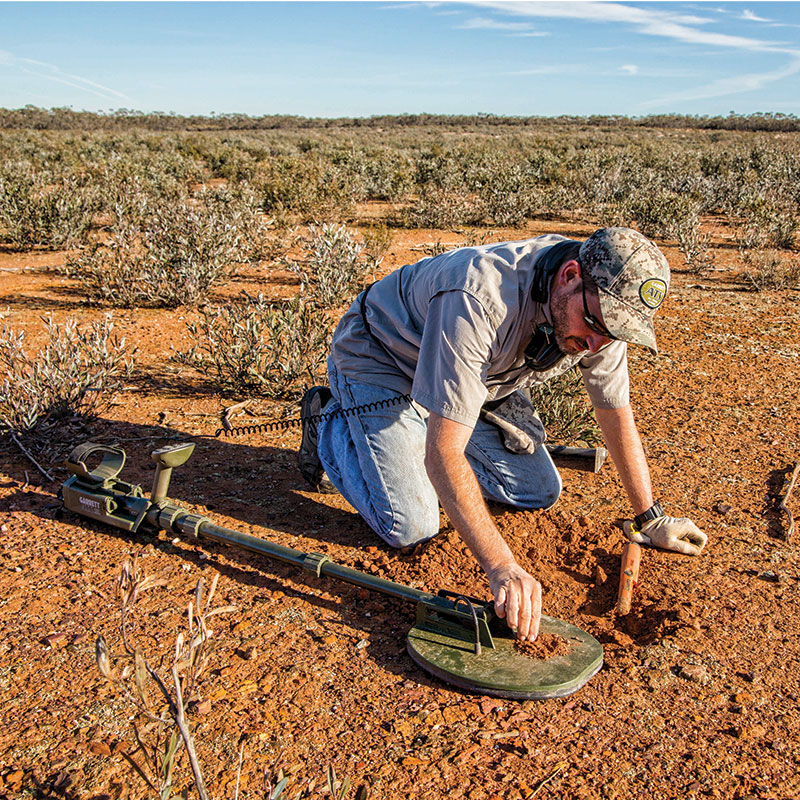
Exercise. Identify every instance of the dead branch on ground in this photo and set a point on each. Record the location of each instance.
(787, 536)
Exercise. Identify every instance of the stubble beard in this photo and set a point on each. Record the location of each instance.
(571, 345)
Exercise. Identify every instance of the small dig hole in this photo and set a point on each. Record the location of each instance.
(546, 645)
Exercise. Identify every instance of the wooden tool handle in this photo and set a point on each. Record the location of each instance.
(628, 576)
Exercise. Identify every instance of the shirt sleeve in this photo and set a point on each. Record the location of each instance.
(457, 340)
(605, 376)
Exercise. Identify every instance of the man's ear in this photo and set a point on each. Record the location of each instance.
(568, 273)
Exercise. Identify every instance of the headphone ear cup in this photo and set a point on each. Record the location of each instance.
(547, 265)
(542, 352)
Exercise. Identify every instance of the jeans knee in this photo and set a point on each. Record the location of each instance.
(408, 532)
(543, 496)
(550, 497)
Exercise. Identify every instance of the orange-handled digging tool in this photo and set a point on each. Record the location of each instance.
(628, 576)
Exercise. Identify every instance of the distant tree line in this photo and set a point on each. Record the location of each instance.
(34, 118)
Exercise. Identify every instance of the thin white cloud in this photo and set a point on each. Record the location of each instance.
(548, 69)
(751, 17)
(650, 21)
(665, 23)
(483, 23)
(50, 72)
(591, 69)
(727, 86)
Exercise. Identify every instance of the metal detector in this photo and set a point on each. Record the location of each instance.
(458, 639)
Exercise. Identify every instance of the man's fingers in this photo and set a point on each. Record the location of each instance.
(500, 602)
(640, 538)
(518, 598)
(634, 535)
(512, 608)
(524, 629)
(696, 536)
(684, 546)
(700, 541)
(536, 612)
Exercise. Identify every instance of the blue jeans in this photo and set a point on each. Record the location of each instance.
(376, 460)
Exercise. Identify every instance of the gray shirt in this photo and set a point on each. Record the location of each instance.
(451, 331)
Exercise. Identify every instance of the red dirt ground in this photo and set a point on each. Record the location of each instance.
(699, 693)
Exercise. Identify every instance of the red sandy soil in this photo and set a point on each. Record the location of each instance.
(698, 696)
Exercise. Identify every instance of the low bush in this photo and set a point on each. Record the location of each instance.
(660, 214)
(770, 269)
(240, 205)
(34, 213)
(306, 187)
(378, 238)
(255, 345)
(768, 225)
(694, 244)
(170, 255)
(565, 411)
(443, 209)
(75, 374)
(337, 266)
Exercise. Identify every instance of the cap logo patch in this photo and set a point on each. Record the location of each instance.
(653, 292)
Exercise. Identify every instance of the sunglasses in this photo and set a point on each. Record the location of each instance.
(592, 322)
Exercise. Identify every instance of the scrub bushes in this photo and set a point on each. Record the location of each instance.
(37, 211)
(255, 345)
(306, 187)
(167, 254)
(767, 269)
(74, 374)
(565, 411)
(337, 266)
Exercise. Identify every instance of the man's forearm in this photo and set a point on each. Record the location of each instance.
(625, 446)
(461, 498)
(517, 594)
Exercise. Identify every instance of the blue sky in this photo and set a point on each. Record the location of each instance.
(359, 59)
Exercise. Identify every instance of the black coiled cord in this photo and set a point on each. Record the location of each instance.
(284, 424)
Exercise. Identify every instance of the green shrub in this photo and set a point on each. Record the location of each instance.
(770, 269)
(75, 373)
(337, 266)
(565, 411)
(255, 345)
(693, 243)
(171, 258)
(378, 238)
(769, 224)
(614, 215)
(35, 213)
(444, 209)
(308, 187)
(240, 206)
(385, 174)
(661, 213)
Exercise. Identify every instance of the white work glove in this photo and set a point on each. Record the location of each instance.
(668, 533)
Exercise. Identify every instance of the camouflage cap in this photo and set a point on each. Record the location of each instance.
(632, 278)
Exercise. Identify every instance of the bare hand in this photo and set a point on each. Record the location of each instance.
(518, 598)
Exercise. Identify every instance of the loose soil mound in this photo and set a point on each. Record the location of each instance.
(546, 645)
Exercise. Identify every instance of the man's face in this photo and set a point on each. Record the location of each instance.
(573, 334)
